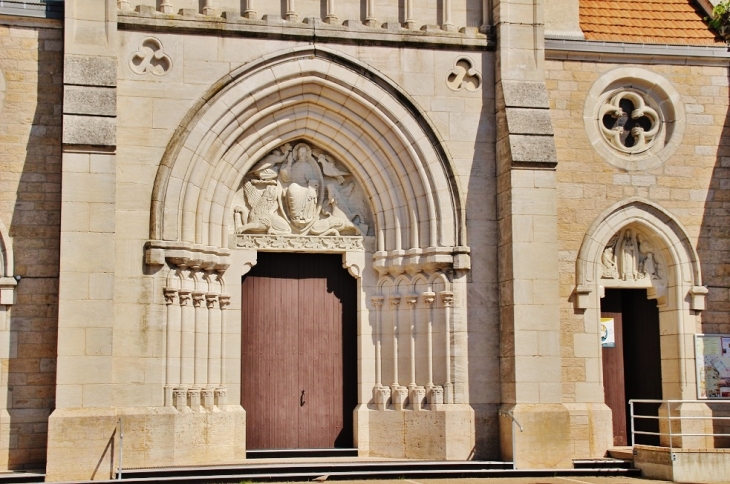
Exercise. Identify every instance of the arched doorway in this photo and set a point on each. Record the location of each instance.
(299, 352)
(637, 245)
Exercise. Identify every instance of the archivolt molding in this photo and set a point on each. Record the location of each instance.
(638, 221)
(323, 99)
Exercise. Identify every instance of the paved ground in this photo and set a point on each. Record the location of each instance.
(515, 480)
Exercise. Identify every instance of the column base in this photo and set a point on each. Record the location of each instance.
(444, 434)
(545, 441)
(83, 443)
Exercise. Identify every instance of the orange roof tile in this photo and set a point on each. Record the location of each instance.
(646, 21)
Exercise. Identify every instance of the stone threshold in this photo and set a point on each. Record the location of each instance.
(231, 24)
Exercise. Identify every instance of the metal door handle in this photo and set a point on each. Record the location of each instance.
(303, 398)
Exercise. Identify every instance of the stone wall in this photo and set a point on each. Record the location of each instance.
(691, 185)
(31, 61)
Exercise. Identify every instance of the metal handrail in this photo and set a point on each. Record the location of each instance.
(121, 447)
(669, 418)
(514, 444)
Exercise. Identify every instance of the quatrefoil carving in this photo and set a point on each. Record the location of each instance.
(150, 58)
(627, 123)
(464, 76)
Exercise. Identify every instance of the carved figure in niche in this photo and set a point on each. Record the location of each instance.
(284, 194)
(608, 260)
(650, 267)
(630, 256)
(305, 184)
(628, 261)
(336, 222)
(330, 169)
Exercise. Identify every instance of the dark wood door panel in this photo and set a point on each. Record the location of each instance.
(299, 313)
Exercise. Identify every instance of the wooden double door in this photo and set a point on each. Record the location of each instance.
(299, 352)
(632, 368)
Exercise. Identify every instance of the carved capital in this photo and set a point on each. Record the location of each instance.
(428, 297)
(170, 295)
(447, 298)
(411, 300)
(377, 301)
(394, 300)
(184, 296)
(198, 298)
(224, 300)
(210, 300)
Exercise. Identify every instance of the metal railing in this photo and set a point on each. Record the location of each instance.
(670, 419)
(121, 447)
(514, 440)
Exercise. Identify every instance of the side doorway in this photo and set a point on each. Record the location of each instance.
(632, 366)
(299, 352)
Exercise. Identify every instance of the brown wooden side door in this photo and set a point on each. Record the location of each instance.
(613, 379)
(298, 364)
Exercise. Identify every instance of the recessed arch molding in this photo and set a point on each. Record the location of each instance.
(314, 95)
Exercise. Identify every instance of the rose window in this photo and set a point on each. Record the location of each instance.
(627, 123)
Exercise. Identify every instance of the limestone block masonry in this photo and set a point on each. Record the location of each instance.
(484, 175)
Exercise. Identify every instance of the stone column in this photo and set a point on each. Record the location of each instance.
(330, 18)
(448, 24)
(528, 251)
(221, 392)
(370, 19)
(410, 23)
(214, 349)
(208, 8)
(250, 11)
(172, 344)
(447, 300)
(291, 14)
(167, 7)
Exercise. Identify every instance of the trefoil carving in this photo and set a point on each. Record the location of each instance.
(150, 58)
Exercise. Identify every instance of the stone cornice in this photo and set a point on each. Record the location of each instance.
(310, 29)
(186, 254)
(586, 50)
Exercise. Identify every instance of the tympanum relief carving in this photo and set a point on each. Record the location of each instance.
(295, 197)
(631, 260)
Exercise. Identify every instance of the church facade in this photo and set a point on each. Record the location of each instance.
(402, 227)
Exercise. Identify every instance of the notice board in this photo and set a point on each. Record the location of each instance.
(712, 354)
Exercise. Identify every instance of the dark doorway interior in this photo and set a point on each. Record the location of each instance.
(299, 352)
(632, 369)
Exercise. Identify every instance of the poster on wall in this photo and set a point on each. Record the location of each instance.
(712, 354)
(608, 338)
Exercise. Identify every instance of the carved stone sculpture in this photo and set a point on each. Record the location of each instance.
(630, 256)
(301, 192)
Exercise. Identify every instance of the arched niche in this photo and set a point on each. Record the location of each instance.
(677, 285)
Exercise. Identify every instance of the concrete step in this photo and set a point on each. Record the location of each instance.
(624, 452)
(606, 463)
(11, 477)
(306, 471)
(299, 453)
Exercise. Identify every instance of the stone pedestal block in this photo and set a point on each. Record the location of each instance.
(444, 434)
(695, 419)
(544, 442)
(591, 429)
(83, 443)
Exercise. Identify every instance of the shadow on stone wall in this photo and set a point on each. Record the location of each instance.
(483, 315)
(30, 163)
